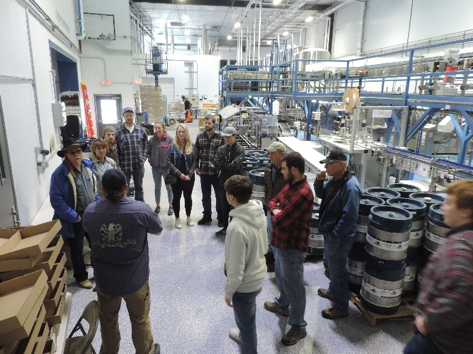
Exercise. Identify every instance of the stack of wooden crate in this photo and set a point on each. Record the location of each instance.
(32, 288)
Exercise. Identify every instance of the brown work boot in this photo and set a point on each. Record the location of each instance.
(274, 307)
(332, 314)
(291, 337)
(325, 294)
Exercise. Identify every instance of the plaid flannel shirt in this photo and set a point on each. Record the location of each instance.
(132, 147)
(206, 151)
(291, 227)
(445, 299)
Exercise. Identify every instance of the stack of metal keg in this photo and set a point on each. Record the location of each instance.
(419, 212)
(249, 164)
(386, 247)
(316, 239)
(383, 193)
(435, 230)
(356, 255)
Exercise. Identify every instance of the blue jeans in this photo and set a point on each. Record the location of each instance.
(206, 183)
(244, 309)
(159, 174)
(289, 273)
(336, 257)
(270, 237)
(138, 180)
(225, 207)
(420, 344)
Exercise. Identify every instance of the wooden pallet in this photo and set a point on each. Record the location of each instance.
(405, 312)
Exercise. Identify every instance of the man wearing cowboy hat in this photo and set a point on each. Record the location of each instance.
(73, 188)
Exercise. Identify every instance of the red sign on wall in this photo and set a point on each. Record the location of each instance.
(89, 131)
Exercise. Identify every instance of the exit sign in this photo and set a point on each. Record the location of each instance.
(106, 82)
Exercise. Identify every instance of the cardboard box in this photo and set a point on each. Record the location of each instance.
(56, 274)
(20, 264)
(27, 345)
(9, 348)
(34, 240)
(51, 303)
(18, 297)
(46, 261)
(8, 239)
(26, 328)
(43, 337)
(57, 316)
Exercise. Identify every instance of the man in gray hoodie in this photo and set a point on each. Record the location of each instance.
(245, 265)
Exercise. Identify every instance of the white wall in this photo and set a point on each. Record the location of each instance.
(105, 59)
(387, 21)
(347, 30)
(207, 67)
(19, 108)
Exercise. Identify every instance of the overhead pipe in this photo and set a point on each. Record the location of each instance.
(172, 40)
(259, 33)
(33, 82)
(166, 34)
(81, 34)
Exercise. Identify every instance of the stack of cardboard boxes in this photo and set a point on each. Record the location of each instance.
(32, 288)
(152, 103)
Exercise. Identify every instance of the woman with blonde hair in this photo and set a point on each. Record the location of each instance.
(158, 149)
(100, 149)
(182, 160)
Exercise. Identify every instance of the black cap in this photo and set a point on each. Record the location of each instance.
(334, 155)
(113, 180)
(70, 144)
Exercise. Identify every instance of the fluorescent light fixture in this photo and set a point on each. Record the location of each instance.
(309, 19)
(229, 37)
(285, 33)
(185, 18)
(188, 40)
(276, 2)
(187, 32)
(237, 25)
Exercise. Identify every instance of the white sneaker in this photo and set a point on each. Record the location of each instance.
(234, 333)
(178, 224)
(189, 221)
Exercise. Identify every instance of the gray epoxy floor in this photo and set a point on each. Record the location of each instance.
(188, 311)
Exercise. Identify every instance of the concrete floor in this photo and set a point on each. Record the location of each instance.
(188, 310)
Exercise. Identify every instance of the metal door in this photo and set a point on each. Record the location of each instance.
(108, 110)
(8, 207)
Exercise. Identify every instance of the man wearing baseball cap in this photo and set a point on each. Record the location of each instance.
(274, 182)
(338, 216)
(118, 227)
(132, 147)
(228, 162)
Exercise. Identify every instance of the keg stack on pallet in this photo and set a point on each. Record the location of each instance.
(395, 249)
(356, 255)
(32, 288)
(254, 165)
(316, 239)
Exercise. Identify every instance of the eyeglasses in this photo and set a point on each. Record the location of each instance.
(75, 152)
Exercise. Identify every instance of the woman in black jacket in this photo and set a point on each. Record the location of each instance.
(182, 160)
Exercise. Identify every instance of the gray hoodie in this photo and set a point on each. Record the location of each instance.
(246, 244)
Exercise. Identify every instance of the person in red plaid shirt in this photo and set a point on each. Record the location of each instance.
(291, 212)
(444, 315)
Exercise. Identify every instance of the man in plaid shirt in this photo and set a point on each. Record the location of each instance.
(207, 143)
(132, 148)
(291, 212)
(444, 316)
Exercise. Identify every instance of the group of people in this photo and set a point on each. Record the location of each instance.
(117, 228)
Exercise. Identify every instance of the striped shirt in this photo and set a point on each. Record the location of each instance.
(291, 227)
(132, 147)
(445, 299)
